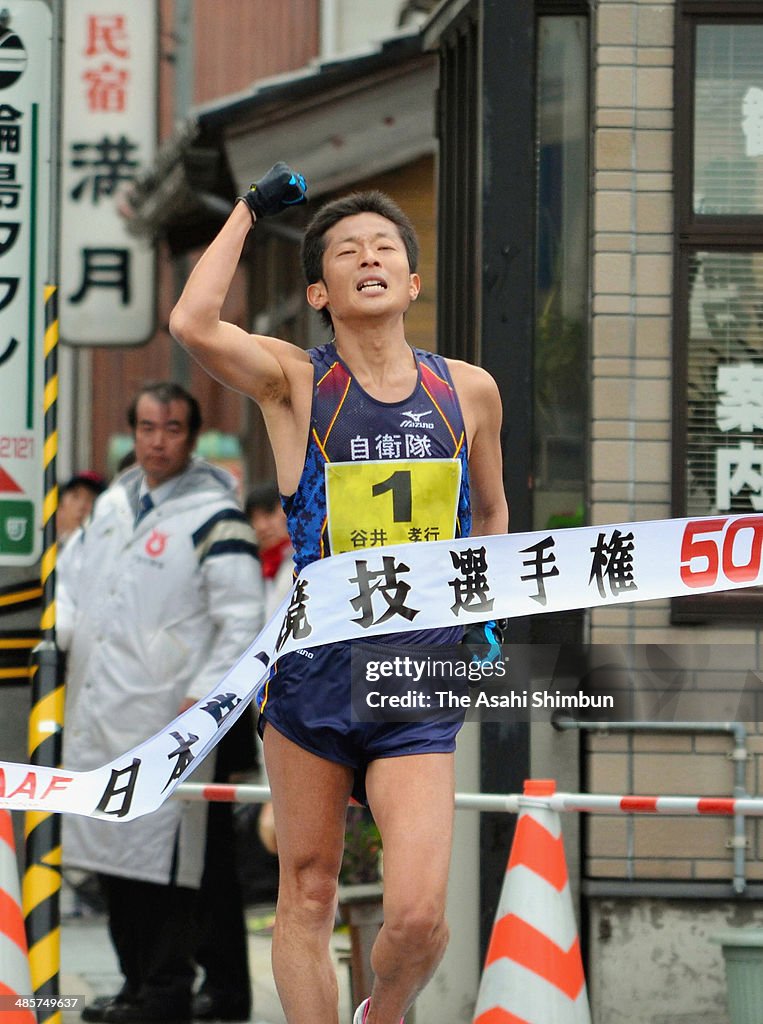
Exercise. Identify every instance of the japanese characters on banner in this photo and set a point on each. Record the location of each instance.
(409, 587)
(109, 132)
(25, 145)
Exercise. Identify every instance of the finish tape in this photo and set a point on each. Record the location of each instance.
(402, 588)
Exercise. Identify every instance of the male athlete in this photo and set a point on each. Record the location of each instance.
(335, 406)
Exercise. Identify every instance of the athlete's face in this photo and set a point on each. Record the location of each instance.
(365, 271)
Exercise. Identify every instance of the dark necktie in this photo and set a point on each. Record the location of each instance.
(144, 507)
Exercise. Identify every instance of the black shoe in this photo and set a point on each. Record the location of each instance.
(206, 1007)
(124, 1012)
(95, 1010)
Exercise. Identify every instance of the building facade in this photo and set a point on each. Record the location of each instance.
(675, 357)
(616, 156)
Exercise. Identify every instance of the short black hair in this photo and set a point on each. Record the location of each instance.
(263, 496)
(164, 392)
(373, 201)
(87, 478)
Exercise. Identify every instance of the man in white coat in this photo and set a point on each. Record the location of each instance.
(158, 597)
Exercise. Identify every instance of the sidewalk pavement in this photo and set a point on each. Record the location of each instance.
(89, 967)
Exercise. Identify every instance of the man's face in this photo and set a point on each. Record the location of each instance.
(163, 444)
(365, 271)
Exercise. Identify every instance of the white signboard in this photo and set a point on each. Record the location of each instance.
(25, 128)
(108, 134)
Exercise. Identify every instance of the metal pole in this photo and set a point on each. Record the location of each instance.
(739, 756)
(42, 879)
(512, 803)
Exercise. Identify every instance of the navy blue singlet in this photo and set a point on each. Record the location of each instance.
(349, 426)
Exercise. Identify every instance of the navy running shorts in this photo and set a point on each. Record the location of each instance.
(308, 700)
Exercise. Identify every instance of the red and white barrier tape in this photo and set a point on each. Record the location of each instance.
(512, 803)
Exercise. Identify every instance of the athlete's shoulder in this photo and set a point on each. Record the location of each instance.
(321, 353)
(471, 381)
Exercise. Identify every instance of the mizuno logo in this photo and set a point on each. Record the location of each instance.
(414, 419)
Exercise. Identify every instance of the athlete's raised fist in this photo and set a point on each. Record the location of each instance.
(279, 189)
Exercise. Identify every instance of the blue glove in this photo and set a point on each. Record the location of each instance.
(485, 638)
(279, 189)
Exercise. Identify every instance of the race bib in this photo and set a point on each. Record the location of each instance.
(391, 502)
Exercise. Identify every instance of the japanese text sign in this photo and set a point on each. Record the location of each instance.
(109, 132)
(25, 145)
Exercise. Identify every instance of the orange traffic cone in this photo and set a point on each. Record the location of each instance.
(533, 969)
(15, 982)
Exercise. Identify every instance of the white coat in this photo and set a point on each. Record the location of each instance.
(151, 615)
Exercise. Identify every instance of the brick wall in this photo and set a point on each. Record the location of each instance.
(632, 276)
(632, 246)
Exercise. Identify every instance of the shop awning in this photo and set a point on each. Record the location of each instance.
(337, 121)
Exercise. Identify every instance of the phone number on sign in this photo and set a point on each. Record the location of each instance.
(11, 1002)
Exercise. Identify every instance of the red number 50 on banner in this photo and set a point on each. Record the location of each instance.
(713, 553)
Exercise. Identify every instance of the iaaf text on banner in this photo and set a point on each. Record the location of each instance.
(397, 589)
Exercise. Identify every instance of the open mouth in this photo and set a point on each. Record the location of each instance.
(372, 285)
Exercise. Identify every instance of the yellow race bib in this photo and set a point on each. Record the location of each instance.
(392, 501)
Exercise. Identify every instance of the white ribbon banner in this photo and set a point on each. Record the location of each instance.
(402, 588)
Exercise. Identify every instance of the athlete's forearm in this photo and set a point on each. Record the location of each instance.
(197, 311)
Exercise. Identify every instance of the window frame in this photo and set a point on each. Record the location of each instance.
(693, 232)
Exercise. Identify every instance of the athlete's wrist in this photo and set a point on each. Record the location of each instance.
(241, 201)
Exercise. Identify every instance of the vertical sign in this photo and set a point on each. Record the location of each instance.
(25, 132)
(107, 293)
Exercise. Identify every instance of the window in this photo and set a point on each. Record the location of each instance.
(458, 200)
(718, 372)
(561, 279)
(728, 120)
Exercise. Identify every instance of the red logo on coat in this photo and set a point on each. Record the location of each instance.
(156, 543)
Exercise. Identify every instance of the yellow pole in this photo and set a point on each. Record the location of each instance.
(42, 878)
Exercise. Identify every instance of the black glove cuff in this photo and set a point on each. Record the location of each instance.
(247, 200)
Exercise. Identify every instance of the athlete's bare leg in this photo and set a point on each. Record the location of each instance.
(412, 801)
(310, 806)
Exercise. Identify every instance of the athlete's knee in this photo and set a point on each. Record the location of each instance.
(418, 928)
(308, 892)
